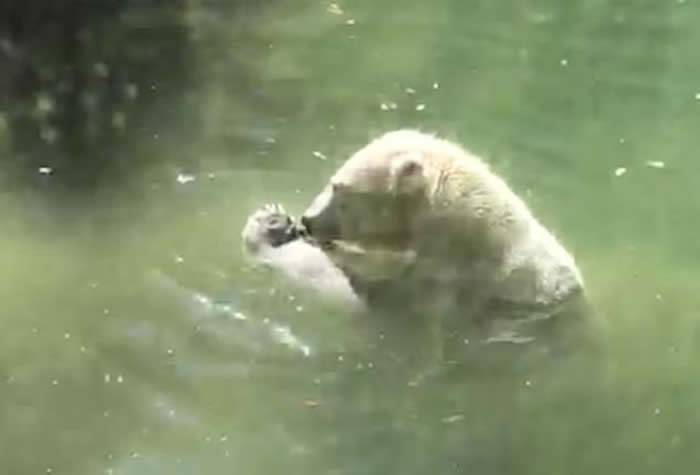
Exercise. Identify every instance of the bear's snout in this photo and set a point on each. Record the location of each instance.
(306, 225)
(320, 227)
(320, 220)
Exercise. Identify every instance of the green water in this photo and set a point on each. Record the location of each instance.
(136, 339)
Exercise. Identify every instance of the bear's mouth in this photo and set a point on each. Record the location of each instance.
(303, 232)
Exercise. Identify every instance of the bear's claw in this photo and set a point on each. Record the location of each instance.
(270, 225)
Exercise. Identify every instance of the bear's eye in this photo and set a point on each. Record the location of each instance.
(339, 188)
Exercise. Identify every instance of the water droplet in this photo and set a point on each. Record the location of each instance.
(453, 418)
(44, 103)
(239, 316)
(118, 120)
(184, 178)
(101, 69)
(334, 9)
(131, 91)
(48, 134)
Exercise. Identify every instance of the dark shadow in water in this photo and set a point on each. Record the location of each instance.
(88, 90)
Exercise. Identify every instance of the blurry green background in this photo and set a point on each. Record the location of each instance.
(136, 137)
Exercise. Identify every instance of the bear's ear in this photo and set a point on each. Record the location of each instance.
(407, 173)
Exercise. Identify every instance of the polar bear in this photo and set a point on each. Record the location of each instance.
(413, 222)
(449, 222)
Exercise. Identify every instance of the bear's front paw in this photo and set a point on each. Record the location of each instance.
(271, 226)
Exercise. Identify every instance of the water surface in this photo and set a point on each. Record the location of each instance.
(137, 339)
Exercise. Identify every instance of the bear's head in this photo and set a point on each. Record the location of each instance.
(374, 197)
